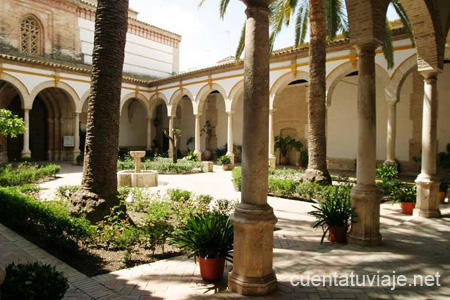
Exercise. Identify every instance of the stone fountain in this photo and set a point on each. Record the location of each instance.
(137, 177)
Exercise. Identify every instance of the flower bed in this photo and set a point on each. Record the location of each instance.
(26, 173)
(163, 165)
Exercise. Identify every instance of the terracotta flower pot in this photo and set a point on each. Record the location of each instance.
(407, 207)
(228, 167)
(442, 197)
(338, 234)
(211, 269)
(283, 160)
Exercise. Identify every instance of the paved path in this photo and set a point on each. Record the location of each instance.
(410, 247)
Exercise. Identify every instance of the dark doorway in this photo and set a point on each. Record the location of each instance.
(15, 145)
(39, 131)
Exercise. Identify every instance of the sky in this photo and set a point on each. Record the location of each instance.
(206, 38)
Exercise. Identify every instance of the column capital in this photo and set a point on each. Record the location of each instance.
(199, 114)
(366, 48)
(257, 3)
(430, 75)
(272, 110)
(230, 112)
(391, 101)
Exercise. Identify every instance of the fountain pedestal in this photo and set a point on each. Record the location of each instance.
(137, 177)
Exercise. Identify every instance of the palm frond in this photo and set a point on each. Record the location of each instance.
(388, 49)
(301, 24)
(241, 44)
(223, 7)
(404, 18)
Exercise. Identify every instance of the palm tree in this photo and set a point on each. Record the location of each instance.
(98, 193)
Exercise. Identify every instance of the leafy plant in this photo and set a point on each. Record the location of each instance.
(179, 195)
(189, 142)
(386, 173)
(33, 281)
(208, 129)
(332, 211)
(405, 193)
(163, 165)
(208, 235)
(10, 124)
(224, 160)
(174, 138)
(389, 187)
(284, 144)
(445, 184)
(191, 156)
(26, 173)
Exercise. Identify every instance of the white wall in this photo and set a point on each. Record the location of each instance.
(133, 125)
(142, 56)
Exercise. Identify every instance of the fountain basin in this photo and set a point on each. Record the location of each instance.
(145, 178)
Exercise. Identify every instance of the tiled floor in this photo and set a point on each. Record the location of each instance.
(410, 247)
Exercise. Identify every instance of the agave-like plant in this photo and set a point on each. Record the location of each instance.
(332, 211)
(208, 235)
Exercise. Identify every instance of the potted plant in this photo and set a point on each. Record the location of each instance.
(226, 162)
(443, 188)
(208, 237)
(406, 196)
(333, 214)
(284, 144)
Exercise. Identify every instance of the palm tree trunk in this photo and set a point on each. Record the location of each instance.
(317, 169)
(98, 193)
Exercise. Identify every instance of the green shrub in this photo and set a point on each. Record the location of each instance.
(162, 165)
(282, 187)
(191, 156)
(388, 187)
(404, 193)
(386, 173)
(49, 220)
(26, 173)
(237, 177)
(33, 281)
(66, 192)
(179, 195)
(224, 160)
(158, 225)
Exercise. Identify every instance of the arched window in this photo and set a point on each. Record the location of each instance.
(30, 36)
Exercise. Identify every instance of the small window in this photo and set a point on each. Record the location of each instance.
(30, 36)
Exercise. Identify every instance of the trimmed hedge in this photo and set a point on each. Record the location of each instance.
(51, 221)
(26, 173)
(163, 165)
(288, 183)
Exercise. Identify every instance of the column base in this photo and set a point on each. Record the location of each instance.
(272, 161)
(427, 204)
(26, 154)
(365, 227)
(199, 155)
(389, 162)
(252, 272)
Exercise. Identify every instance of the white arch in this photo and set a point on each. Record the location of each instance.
(204, 93)
(283, 81)
(235, 93)
(175, 99)
(62, 86)
(399, 76)
(20, 88)
(155, 100)
(134, 95)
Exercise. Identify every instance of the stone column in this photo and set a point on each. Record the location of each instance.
(76, 148)
(171, 121)
(26, 153)
(197, 141)
(391, 133)
(230, 150)
(365, 196)
(149, 133)
(253, 219)
(272, 157)
(427, 204)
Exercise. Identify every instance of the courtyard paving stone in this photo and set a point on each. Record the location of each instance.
(410, 247)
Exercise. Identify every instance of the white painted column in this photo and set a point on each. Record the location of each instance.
(149, 133)
(171, 121)
(272, 157)
(427, 204)
(230, 150)
(197, 140)
(391, 133)
(26, 153)
(76, 148)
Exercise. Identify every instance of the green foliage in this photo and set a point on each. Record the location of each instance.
(191, 156)
(179, 195)
(33, 281)
(66, 192)
(284, 144)
(50, 220)
(405, 193)
(208, 235)
(158, 225)
(162, 165)
(26, 173)
(10, 125)
(282, 187)
(31, 190)
(237, 177)
(386, 173)
(445, 184)
(222, 151)
(332, 210)
(224, 160)
(389, 187)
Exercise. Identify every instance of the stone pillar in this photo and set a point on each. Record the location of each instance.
(365, 196)
(427, 204)
(26, 153)
(230, 150)
(253, 218)
(197, 141)
(391, 133)
(149, 133)
(272, 157)
(76, 148)
(171, 121)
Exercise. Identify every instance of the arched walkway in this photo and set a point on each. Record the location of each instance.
(133, 121)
